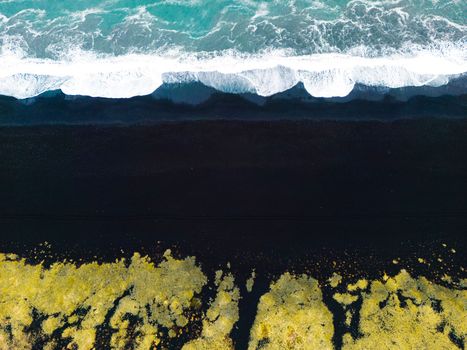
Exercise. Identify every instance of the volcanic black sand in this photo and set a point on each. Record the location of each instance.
(302, 196)
(228, 189)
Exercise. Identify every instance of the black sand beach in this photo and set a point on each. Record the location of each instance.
(301, 196)
(236, 185)
(233, 175)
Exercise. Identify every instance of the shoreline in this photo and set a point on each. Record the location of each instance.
(80, 110)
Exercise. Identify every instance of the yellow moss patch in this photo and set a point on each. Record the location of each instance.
(292, 315)
(360, 284)
(65, 293)
(348, 317)
(335, 280)
(408, 313)
(51, 324)
(138, 302)
(250, 281)
(220, 317)
(345, 298)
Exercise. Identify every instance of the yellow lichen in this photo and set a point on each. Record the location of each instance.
(348, 317)
(50, 324)
(138, 303)
(292, 315)
(345, 298)
(446, 278)
(154, 295)
(408, 313)
(335, 280)
(218, 277)
(220, 318)
(250, 281)
(360, 284)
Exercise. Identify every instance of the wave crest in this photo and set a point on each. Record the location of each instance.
(322, 75)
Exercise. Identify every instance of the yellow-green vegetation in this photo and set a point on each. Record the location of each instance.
(138, 304)
(345, 298)
(74, 301)
(250, 281)
(335, 280)
(360, 284)
(410, 313)
(292, 315)
(220, 317)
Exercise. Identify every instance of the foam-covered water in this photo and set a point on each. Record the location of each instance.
(118, 48)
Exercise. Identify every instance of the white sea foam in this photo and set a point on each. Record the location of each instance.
(323, 75)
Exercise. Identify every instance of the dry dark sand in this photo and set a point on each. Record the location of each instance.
(334, 183)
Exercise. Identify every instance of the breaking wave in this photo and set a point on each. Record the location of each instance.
(125, 48)
(322, 75)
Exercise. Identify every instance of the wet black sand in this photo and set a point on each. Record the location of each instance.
(241, 188)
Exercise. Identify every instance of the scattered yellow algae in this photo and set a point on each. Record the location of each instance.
(335, 280)
(292, 315)
(138, 302)
(147, 338)
(51, 324)
(9, 256)
(348, 318)
(345, 298)
(223, 312)
(360, 284)
(409, 313)
(446, 278)
(159, 297)
(250, 281)
(220, 318)
(218, 277)
(421, 261)
(83, 339)
(155, 295)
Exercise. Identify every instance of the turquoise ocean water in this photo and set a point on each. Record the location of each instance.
(119, 48)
